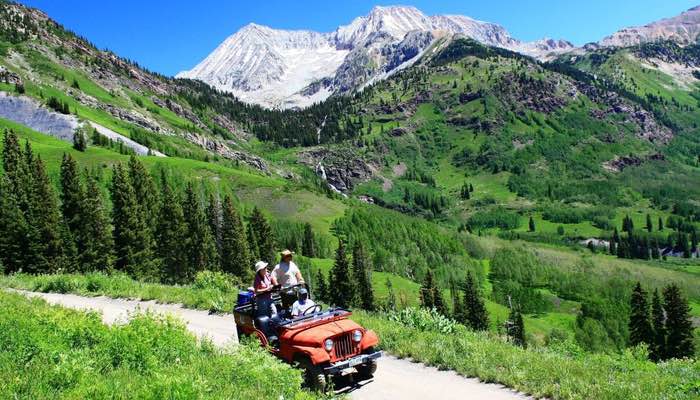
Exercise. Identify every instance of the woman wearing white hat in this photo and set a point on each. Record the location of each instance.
(263, 285)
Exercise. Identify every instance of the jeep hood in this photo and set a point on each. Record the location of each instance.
(315, 335)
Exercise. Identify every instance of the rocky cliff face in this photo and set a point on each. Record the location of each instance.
(26, 111)
(342, 169)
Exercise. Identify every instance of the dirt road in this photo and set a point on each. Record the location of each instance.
(395, 378)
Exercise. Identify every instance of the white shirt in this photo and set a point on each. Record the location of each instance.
(299, 309)
(286, 274)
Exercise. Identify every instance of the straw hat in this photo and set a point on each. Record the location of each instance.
(286, 253)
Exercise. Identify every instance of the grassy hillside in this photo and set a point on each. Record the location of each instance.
(282, 199)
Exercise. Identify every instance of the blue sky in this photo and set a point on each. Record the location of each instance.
(170, 36)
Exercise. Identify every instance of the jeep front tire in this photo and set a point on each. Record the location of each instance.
(314, 377)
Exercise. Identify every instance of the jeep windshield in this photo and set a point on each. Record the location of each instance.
(315, 317)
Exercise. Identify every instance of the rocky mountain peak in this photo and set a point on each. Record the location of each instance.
(281, 68)
(683, 29)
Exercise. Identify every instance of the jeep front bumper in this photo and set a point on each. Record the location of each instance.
(342, 366)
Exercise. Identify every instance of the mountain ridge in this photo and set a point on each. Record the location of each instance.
(366, 46)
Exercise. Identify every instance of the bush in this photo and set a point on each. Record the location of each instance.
(497, 217)
(423, 320)
(216, 280)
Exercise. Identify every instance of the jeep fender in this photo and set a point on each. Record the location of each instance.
(317, 355)
(369, 339)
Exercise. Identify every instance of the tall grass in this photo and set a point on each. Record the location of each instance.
(561, 371)
(211, 291)
(49, 352)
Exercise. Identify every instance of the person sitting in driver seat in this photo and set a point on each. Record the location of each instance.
(302, 304)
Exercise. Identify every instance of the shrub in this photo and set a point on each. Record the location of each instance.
(497, 217)
(216, 280)
(423, 320)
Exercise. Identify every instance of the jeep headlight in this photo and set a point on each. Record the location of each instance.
(357, 336)
(328, 344)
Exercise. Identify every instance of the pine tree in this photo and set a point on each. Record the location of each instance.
(235, 258)
(308, 242)
(661, 224)
(72, 201)
(44, 239)
(531, 224)
(627, 224)
(171, 235)
(342, 290)
(683, 245)
(476, 316)
(263, 236)
(431, 297)
(200, 248)
(655, 253)
(516, 327)
(145, 191)
(427, 291)
(658, 319)
(679, 326)
(362, 271)
(321, 290)
(613, 247)
(79, 141)
(97, 234)
(13, 229)
(214, 220)
(14, 210)
(650, 227)
(253, 247)
(133, 242)
(639, 324)
(17, 170)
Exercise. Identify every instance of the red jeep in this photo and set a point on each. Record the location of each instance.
(324, 343)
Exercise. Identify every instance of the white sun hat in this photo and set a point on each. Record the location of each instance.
(260, 265)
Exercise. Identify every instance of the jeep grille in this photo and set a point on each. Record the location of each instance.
(343, 346)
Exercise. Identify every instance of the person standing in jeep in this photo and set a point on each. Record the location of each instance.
(286, 273)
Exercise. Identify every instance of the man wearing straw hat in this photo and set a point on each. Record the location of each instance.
(286, 273)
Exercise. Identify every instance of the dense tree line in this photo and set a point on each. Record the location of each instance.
(665, 327)
(153, 231)
(648, 244)
(403, 245)
(324, 122)
(350, 280)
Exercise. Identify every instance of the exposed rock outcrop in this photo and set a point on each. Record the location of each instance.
(619, 163)
(9, 77)
(649, 128)
(342, 169)
(219, 147)
(29, 112)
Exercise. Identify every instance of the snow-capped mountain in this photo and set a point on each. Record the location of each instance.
(281, 68)
(683, 29)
